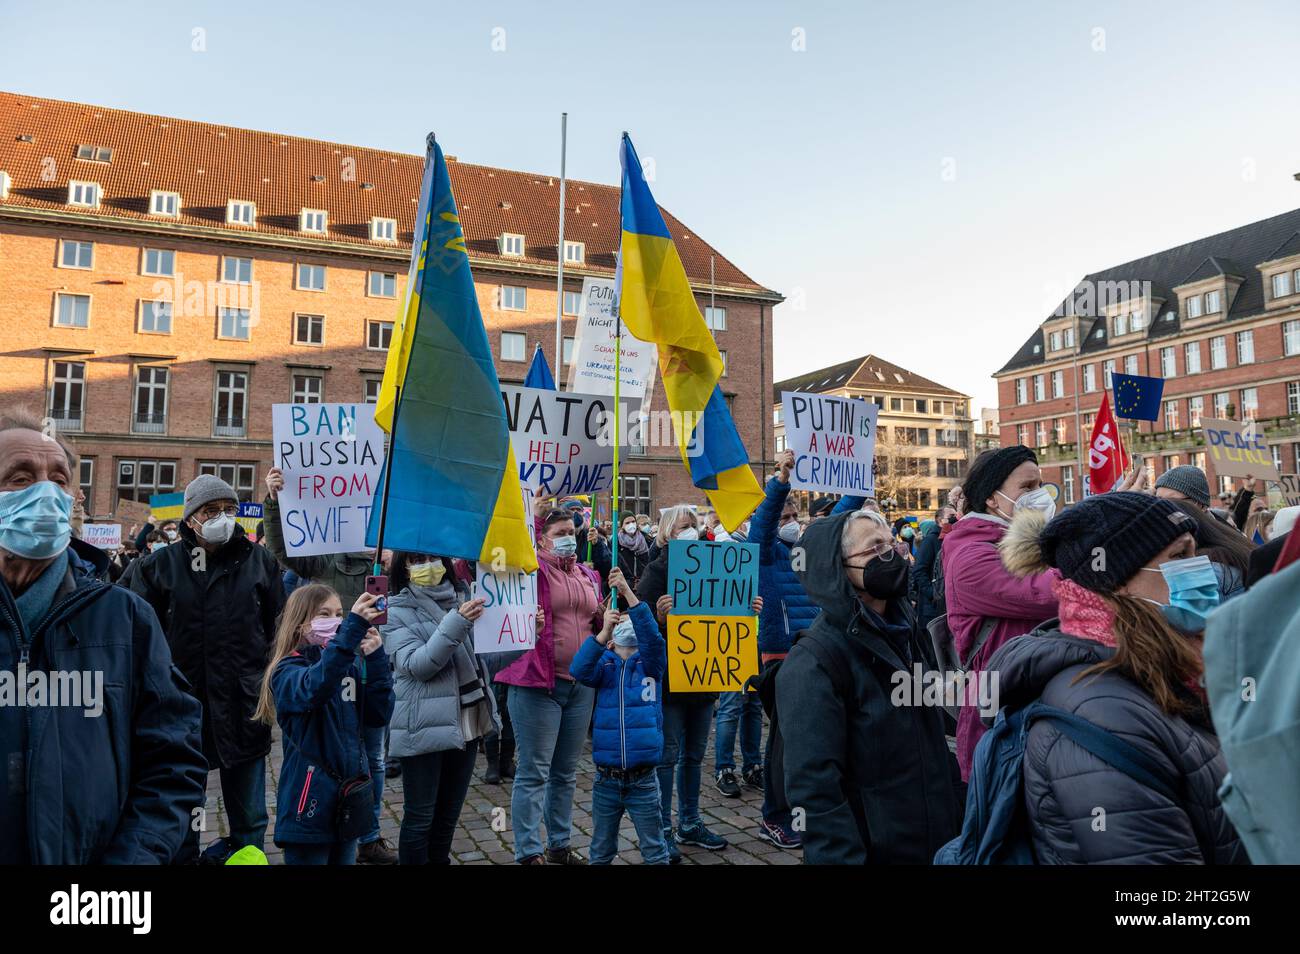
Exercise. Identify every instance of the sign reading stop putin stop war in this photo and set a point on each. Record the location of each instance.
(1238, 450)
(331, 456)
(834, 441)
(712, 629)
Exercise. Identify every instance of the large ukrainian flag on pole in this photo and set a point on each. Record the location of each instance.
(657, 305)
(454, 485)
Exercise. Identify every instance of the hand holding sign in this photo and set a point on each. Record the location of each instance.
(471, 609)
(274, 483)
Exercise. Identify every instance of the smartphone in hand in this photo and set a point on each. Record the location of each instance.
(378, 585)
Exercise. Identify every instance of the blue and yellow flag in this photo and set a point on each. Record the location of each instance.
(658, 306)
(455, 483)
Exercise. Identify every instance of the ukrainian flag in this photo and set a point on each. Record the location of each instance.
(455, 483)
(658, 306)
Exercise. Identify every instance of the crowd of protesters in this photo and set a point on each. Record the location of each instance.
(1086, 660)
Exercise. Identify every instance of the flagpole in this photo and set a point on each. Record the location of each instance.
(618, 374)
(559, 257)
(1078, 419)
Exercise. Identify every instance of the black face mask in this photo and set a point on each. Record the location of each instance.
(884, 579)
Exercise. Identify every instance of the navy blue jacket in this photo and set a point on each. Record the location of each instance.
(923, 575)
(628, 730)
(321, 735)
(120, 788)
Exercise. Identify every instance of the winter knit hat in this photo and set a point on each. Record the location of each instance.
(1187, 480)
(203, 490)
(1099, 543)
(990, 471)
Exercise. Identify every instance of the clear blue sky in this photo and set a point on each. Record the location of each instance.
(923, 181)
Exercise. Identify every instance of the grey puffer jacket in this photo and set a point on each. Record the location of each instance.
(428, 642)
(1065, 785)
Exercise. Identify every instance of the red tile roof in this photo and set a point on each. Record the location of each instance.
(210, 164)
(868, 373)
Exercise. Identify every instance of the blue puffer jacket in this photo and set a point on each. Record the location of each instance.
(321, 738)
(629, 725)
(786, 607)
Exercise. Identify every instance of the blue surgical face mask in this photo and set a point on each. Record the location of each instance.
(625, 633)
(564, 546)
(35, 522)
(1193, 592)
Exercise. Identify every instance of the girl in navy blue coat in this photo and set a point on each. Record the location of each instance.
(328, 676)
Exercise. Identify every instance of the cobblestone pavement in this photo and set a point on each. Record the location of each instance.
(735, 819)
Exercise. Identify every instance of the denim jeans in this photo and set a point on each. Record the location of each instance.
(744, 708)
(435, 785)
(374, 739)
(243, 789)
(686, 738)
(550, 729)
(610, 797)
(329, 853)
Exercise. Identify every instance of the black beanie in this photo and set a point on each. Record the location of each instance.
(990, 471)
(1102, 541)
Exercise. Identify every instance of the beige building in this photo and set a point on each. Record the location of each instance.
(924, 430)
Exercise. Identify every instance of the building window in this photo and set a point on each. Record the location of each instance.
(308, 389)
(780, 443)
(232, 404)
(156, 317)
(575, 253)
(1197, 460)
(1022, 396)
(313, 220)
(514, 298)
(1221, 401)
(1060, 430)
(896, 404)
(1171, 415)
(1245, 347)
(512, 244)
(1293, 397)
(68, 395)
(1067, 484)
(159, 261)
(572, 302)
(1089, 378)
(373, 386)
(150, 415)
(383, 285)
(1130, 364)
(1219, 352)
(240, 476)
(1038, 387)
(84, 194)
(513, 346)
(311, 277)
(1168, 362)
(141, 479)
(1192, 357)
(165, 203)
(86, 479)
(234, 324)
(76, 254)
(1055, 341)
(1281, 283)
(776, 415)
(94, 153)
(1291, 337)
(1022, 435)
(72, 311)
(1069, 337)
(1137, 321)
(5, 183)
(1121, 324)
(383, 230)
(309, 329)
(241, 213)
(1058, 384)
(1040, 433)
(715, 318)
(378, 335)
(1212, 302)
(566, 349)
(1195, 408)
(1107, 370)
(634, 494)
(1194, 306)
(1249, 403)
(238, 271)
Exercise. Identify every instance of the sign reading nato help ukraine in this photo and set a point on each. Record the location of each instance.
(712, 629)
(834, 441)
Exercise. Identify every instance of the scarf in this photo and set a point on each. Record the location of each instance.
(1084, 613)
(437, 602)
(37, 599)
(634, 541)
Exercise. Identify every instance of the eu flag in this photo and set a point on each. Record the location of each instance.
(1137, 397)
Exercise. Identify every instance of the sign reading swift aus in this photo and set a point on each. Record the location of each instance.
(712, 629)
(331, 455)
(834, 441)
(594, 349)
(509, 619)
(563, 441)
(1239, 449)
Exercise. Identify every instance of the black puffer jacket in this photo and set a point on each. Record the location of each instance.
(1065, 785)
(220, 624)
(874, 778)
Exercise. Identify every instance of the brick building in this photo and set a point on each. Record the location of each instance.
(1217, 318)
(167, 281)
(924, 430)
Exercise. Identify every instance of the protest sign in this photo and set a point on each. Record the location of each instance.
(250, 515)
(331, 456)
(591, 367)
(1289, 484)
(509, 619)
(712, 630)
(834, 441)
(132, 511)
(1238, 449)
(106, 536)
(563, 441)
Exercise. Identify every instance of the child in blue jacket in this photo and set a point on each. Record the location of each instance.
(327, 677)
(625, 663)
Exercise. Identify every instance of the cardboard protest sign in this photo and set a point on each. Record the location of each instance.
(132, 511)
(563, 441)
(712, 631)
(106, 536)
(509, 620)
(1289, 484)
(591, 367)
(1238, 449)
(331, 455)
(834, 441)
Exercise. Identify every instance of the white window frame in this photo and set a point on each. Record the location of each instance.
(715, 317)
(314, 321)
(1171, 415)
(1194, 306)
(1121, 324)
(1039, 386)
(160, 252)
(1221, 407)
(247, 324)
(297, 277)
(225, 259)
(96, 153)
(1242, 411)
(1195, 410)
(1213, 302)
(523, 345)
(298, 393)
(371, 382)
(566, 350)
(1089, 378)
(1222, 350)
(308, 217)
(64, 245)
(1246, 355)
(576, 298)
(1054, 341)
(1131, 364)
(1107, 372)
(158, 197)
(1291, 337)
(1168, 362)
(76, 193)
(239, 209)
(6, 181)
(242, 426)
(1293, 397)
(370, 284)
(149, 427)
(380, 325)
(145, 303)
(58, 309)
(1058, 384)
(1189, 349)
(575, 253)
(1067, 483)
(65, 420)
(515, 292)
(1281, 280)
(383, 230)
(507, 244)
(1022, 391)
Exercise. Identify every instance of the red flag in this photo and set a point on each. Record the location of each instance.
(1107, 461)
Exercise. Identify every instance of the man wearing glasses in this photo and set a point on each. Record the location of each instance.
(217, 597)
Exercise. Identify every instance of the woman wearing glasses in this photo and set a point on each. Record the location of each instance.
(865, 755)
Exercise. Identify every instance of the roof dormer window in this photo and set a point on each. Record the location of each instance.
(165, 203)
(511, 244)
(241, 213)
(383, 230)
(5, 183)
(83, 194)
(575, 253)
(94, 153)
(313, 220)
(1194, 306)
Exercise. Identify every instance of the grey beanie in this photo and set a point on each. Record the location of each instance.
(1187, 480)
(204, 489)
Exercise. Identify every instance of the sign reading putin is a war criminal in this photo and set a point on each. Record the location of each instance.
(712, 629)
(1238, 449)
(331, 456)
(834, 441)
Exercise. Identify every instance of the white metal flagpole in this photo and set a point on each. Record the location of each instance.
(559, 259)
